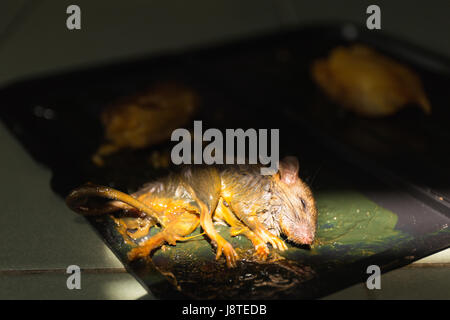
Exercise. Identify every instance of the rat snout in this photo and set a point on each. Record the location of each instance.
(301, 232)
(308, 238)
(303, 235)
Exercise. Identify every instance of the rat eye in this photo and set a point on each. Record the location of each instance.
(303, 203)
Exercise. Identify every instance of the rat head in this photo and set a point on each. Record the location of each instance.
(298, 216)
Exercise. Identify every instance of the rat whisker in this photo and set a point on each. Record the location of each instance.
(315, 174)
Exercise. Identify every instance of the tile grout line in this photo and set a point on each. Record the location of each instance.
(123, 270)
(428, 265)
(61, 271)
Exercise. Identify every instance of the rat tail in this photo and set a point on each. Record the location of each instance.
(77, 201)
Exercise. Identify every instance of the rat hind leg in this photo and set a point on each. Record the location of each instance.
(237, 227)
(223, 246)
(132, 228)
(175, 230)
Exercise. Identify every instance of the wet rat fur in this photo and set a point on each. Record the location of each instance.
(261, 207)
(283, 202)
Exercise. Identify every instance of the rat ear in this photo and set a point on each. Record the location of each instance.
(289, 169)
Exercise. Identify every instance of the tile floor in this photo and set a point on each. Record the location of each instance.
(34, 40)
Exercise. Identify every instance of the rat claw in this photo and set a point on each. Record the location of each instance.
(281, 245)
(231, 261)
(277, 243)
(229, 253)
(274, 243)
(262, 251)
(218, 252)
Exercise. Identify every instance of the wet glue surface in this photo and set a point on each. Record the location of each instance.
(350, 227)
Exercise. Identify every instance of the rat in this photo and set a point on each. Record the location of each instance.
(260, 207)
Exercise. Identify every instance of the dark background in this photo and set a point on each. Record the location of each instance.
(34, 41)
